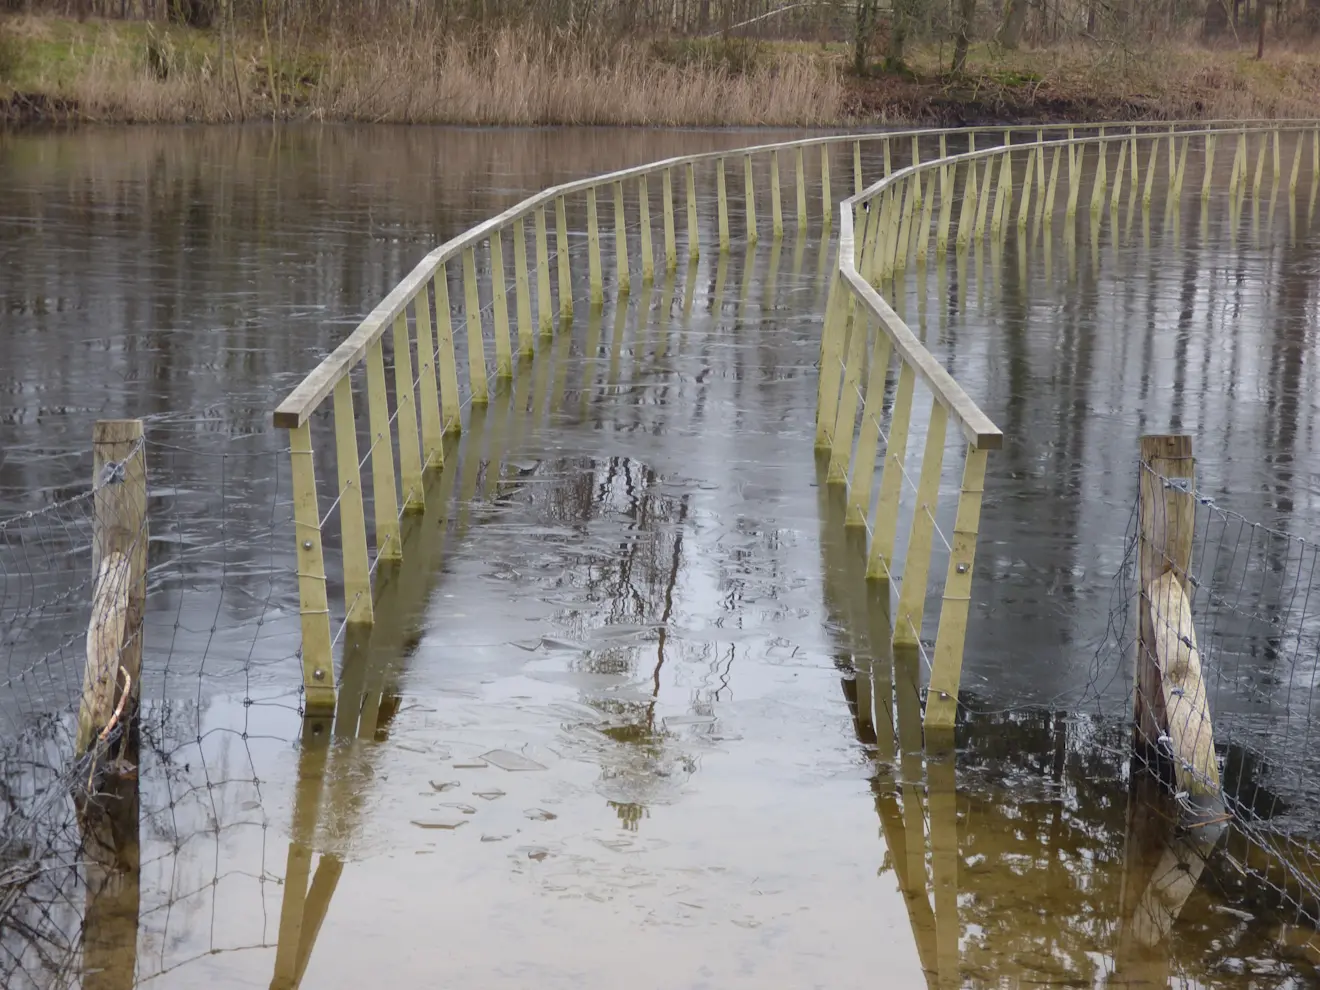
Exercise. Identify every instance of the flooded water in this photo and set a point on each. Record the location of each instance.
(628, 711)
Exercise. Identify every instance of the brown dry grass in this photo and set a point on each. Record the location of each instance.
(113, 72)
(123, 71)
(1178, 79)
(514, 80)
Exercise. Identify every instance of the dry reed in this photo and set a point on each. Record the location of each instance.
(517, 81)
(417, 77)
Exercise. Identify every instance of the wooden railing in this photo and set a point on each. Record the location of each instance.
(876, 230)
(885, 233)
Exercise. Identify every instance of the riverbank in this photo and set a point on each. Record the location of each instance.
(59, 70)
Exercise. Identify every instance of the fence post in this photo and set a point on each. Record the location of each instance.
(671, 239)
(562, 259)
(722, 202)
(1169, 708)
(313, 605)
(825, 183)
(112, 681)
(1163, 538)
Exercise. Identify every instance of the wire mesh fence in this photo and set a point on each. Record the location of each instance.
(82, 883)
(1225, 637)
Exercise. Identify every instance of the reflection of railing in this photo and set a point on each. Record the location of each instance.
(885, 231)
(374, 662)
(1028, 866)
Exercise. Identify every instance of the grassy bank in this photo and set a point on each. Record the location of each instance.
(53, 68)
(116, 71)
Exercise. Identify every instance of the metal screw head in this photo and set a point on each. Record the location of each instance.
(944, 695)
(962, 568)
(307, 544)
(318, 674)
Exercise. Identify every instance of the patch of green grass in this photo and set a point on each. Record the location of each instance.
(1013, 78)
(49, 53)
(296, 78)
(10, 53)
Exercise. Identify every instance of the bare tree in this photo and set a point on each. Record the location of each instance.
(1015, 21)
(963, 31)
(902, 19)
(863, 31)
(1216, 19)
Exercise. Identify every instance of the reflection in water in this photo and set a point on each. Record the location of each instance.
(606, 592)
(1045, 863)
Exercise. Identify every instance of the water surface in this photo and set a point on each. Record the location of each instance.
(628, 713)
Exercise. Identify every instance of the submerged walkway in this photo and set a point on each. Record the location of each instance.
(594, 732)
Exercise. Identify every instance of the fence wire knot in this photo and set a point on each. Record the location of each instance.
(113, 473)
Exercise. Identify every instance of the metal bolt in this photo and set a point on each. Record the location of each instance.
(318, 674)
(944, 695)
(307, 544)
(962, 568)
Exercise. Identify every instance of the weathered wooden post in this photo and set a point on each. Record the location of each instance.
(1170, 709)
(111, 684)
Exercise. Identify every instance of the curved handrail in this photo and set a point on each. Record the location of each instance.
(976, 426)
(426, 406)
(316, 387)
(887, 234)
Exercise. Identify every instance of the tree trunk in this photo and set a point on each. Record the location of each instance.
(1260, 32)
(1312, 16)
(963, 29)
(1015, 20)
(900, 24)
(863, 29)
(1215, 24)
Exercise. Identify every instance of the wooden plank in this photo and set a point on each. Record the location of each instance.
(644, 226)
(749, 199)
(694, 229)
(352, 516)
(722, 204)
(621, 274)
(825, 185)
(405, 418)
(477, 378)
(428, 389)
(522, 290)
(448, 364)
(544, 307)
(594, 276)
(313, 606)
(946, 667)
(384, 492)
(563, 261)
(499, 300)
(671, 237)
